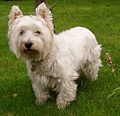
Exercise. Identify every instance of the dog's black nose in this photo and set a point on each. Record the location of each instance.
(28, 45)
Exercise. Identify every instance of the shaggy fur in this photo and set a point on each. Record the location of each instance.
(52, 60)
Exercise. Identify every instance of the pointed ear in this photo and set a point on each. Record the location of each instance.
(14, 13)
(44, 12)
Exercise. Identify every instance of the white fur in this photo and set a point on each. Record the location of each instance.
(57, 60)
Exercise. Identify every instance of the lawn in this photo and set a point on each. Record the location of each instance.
(103, 18)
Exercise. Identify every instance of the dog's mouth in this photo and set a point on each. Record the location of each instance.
(31, 52)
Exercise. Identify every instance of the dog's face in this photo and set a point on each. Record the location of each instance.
(30, 37)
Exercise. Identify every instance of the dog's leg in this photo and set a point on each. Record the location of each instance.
(39, 89)
(92, 69)
(67, 93)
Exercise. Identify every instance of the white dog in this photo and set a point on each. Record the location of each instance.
(52, 60)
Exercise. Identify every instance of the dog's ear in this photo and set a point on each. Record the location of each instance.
(14, 13)
(44, 12)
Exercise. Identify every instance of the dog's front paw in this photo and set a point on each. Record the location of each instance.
(42, 99)
(61, 104)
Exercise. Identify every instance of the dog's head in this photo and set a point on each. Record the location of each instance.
(31, 37)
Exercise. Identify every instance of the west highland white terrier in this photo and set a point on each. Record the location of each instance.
(53, 60)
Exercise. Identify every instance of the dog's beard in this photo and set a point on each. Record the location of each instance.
(37, 53)
(30, 53)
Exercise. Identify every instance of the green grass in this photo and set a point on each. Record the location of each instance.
(103, 18)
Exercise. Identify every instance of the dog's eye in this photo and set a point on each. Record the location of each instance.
(37, 32)
(22, 32)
